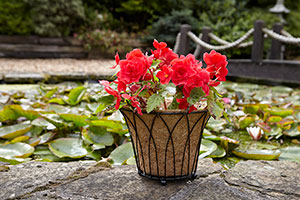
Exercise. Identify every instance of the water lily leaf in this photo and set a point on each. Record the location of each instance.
(257, 154)
(46, 137)
(131, 161)
(67, 147)
(282, 112)
(106, 123)
(54, 119)
(58, 108)
(293, 131)
(215, 125)
(99, 135)
(207, 147)
(7, 114)
(122, 153)
(16, 150)
(246, 121)
(154, 101)
(50, 93)
(45, 155)
(21, 138)
(285, 123)
(13, 131)
(20, 112)
(43, 123)
(274, 119)
(76, 95)
(290, 153)
(4, 98)
(228, 144)
(14, 160)
(59, 101)
(218, 153)
(251, 108)
(79, 120)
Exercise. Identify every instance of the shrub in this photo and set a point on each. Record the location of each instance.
(167, 27)
(14, 18)
(56, 17)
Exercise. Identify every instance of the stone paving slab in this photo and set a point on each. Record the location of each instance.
(90, 180)
(54, 70)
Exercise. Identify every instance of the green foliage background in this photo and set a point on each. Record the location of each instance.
(229, 19)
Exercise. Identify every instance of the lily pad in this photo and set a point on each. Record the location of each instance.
(206, 148)
(76, 95)
(257, 154)
(218, 153)
(16, 150)
(67, 147)
(10, 132)
(290, 153)
(122, 153)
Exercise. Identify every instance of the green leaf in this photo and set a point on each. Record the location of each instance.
(122, 153)
(16, 150)
(76, 95)
(54, 119)
(251, 108)
(245, 121)
(43, 123)
(20, 112)
(7, 114)
(257, 154)
(290, 153)
(59, 101)
(13, 131)
(154, 101)
(215, 107)
(50, 93)
(131, 161)
(106, 123)
(99, 135)
(282, 112)
(293, 131)
(195, 95)
(79, 120)
(207, 147)
(218, 153)
(67, 147)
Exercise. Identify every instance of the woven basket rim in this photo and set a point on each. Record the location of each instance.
(167, 112)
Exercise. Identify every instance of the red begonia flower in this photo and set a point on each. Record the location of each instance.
(117, 58)
(165, 74)
(183, 104)
(216, 65)
(183, 69)
(113, 92)
(163, 53)
(134, 67)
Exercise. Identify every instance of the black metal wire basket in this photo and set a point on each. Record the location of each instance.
(166, 143)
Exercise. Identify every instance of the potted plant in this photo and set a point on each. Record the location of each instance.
(166, 100)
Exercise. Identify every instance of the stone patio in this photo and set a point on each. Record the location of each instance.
(91, 180)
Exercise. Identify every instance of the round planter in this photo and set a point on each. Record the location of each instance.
(166, 143)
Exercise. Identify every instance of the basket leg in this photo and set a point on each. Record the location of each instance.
(163, 181)
(194, 176)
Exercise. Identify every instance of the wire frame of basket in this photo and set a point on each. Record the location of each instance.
(166, 143)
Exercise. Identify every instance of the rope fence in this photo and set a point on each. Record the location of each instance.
(277, 35)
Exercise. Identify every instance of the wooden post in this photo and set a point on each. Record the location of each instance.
(184, 39)
(276, 47)
(258, 42)
(205, 31)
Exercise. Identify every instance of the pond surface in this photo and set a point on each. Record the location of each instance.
(70, 121)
